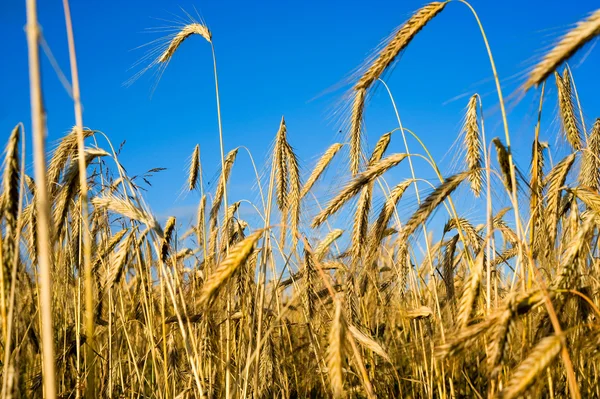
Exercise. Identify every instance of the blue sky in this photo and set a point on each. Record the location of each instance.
(289, 58)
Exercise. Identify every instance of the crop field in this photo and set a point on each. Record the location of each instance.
(342, 291)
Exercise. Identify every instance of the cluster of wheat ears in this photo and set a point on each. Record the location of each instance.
(98, 299)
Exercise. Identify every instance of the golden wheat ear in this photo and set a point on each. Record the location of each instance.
(179, 38)
(194, 172)
(237, 256)
(473, 145)
(576, 38)
(386, 57)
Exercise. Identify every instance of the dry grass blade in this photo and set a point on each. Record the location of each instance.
(538, 359)
(576, 38)
(238, 254)
(356, 185)
(336, 351)
(320, 167)
(194, 173)
(473, 146)
(178, 39)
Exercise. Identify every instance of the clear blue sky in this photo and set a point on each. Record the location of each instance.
(282, 58)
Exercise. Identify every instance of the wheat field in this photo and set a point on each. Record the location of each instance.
(100, 299)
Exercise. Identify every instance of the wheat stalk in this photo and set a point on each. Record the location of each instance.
(336, 351)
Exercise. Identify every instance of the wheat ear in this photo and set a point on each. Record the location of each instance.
(355, 185)
(236, 257)
(194, 172)
(540, 357)
(473, 147)
(320, 167)
(576, 38)
(187, 31)
(589, 175)
(431, 203)
(377, 67)
(567, 111)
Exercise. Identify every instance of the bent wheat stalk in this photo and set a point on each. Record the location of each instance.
(386, 57)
